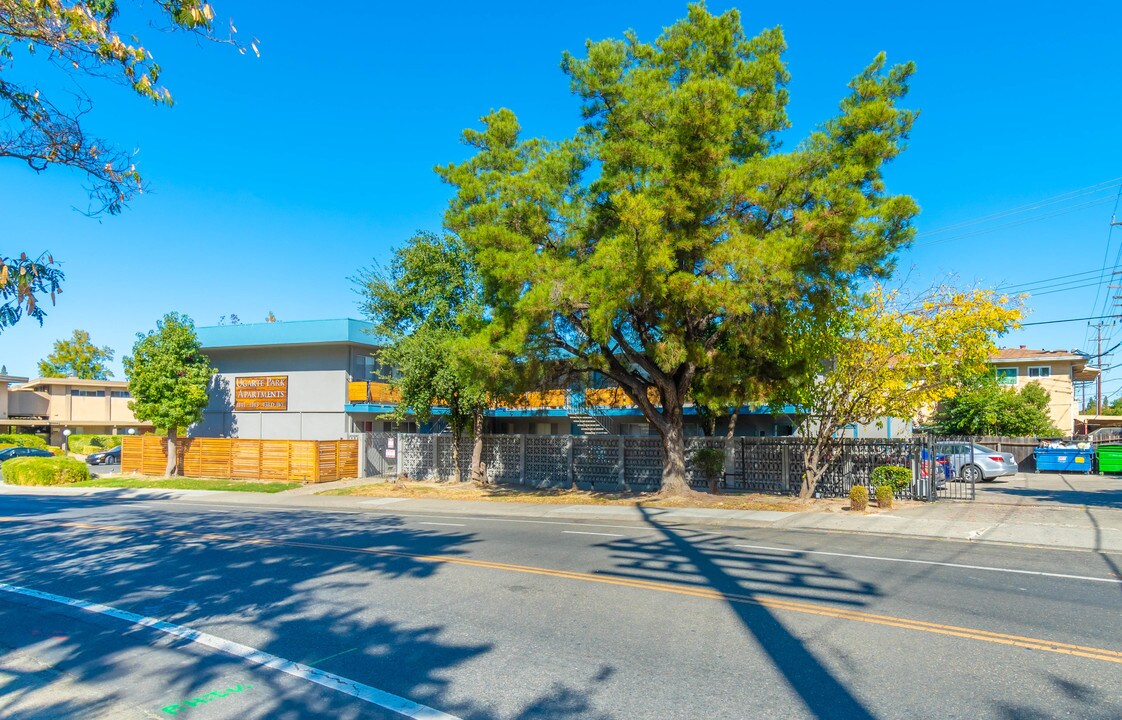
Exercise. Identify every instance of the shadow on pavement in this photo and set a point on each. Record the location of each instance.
(278, 598)
(786, 575)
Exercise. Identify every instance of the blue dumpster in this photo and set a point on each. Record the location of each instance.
(1064, 460)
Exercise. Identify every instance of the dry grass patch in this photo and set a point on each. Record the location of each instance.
(558, 496)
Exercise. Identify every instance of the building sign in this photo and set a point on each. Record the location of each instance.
(261, 392)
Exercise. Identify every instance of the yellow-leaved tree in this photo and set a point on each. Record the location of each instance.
(895, 355)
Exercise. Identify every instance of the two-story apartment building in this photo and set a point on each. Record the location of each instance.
(321, 380)
(49, 406)
(1057, 371)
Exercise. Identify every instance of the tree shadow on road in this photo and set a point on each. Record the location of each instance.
(746, 579)
(290, 584)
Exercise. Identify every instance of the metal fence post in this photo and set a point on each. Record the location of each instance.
(569, 459)
(622, 464)
(521, 459)
(400, 452)
(785, 468)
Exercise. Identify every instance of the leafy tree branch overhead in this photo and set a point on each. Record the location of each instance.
(82, 39)
(23, 284)
(77, 357)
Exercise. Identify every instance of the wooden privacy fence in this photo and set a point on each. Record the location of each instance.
(305, 460)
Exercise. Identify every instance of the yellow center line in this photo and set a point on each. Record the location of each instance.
(1114, 656)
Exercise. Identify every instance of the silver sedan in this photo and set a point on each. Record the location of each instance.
(978, 466)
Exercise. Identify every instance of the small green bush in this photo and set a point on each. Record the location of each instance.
(23, 440)
(710, 462)
(44, 471)
(86, 444)
(894, 476)
(858, 497)
(884, 496)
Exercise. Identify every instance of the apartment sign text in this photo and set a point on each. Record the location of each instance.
(261, 392)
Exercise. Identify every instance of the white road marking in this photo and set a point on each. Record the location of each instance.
(331, 681)
(578, 532)
(942, 564)
(450, 524)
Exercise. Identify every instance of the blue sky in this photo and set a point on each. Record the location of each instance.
(274, 179)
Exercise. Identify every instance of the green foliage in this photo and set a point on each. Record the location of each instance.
(168, 374)
(672, 223)
(988, 408)
(83, 40)
(885, 496)
(858, 497)
(23, 440)
(86, 444)
(23, 280)
(429, 306)
(77, 357)
(44, 471)
(710, 461)
(894, 477)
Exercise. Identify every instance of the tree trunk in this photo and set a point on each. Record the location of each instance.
(478, 471)
(674, 447)
(172, 468)
(732, 427)
(455, 457)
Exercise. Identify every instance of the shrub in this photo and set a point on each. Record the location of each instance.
(710, 463)
(86, 444)
(894, 476)
(858, 497)
(884, 496)
(23, 440)
(44, 471)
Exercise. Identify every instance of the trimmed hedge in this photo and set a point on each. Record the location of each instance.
(44, 471)
(884, 496)
(23, 440)
(858, 497)
(894, 476)
(86, 444)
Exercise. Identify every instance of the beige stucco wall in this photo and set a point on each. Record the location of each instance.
(27, 402)
(1062, 408)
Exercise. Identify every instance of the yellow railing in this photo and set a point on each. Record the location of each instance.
(372, 392)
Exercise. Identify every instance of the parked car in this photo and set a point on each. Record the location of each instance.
(981, 465)
(22, 452)
(112, 456)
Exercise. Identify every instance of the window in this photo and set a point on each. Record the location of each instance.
(87, 393)
(1040, 372)
(1007, 376)
(121, 394)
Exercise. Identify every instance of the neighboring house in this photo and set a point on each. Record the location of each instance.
(1057, 371)
(48, 406)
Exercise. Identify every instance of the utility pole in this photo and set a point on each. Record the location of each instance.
(1099, 362)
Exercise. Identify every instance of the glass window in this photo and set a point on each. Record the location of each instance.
(87, 393)
(1007, 376)
(1039, 372)
(121, 394)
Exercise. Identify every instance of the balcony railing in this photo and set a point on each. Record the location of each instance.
(372, 392)
(378, 393)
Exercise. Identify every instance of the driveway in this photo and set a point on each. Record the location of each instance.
(1054, 490)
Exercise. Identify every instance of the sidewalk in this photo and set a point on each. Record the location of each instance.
(1031, 510)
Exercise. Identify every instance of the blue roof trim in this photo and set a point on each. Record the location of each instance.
(556, 412)
(293, 332)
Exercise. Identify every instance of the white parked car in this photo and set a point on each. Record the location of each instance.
(982, 465)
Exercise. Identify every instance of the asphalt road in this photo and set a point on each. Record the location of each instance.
(344, 615)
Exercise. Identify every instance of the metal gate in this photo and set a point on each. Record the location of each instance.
(949, 465)
(378, 453)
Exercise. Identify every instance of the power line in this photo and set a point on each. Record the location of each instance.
(1017, 223)
(1042, 281)
(1062, 197)
(1067, 320)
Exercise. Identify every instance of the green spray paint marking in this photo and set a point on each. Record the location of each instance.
(176, 708)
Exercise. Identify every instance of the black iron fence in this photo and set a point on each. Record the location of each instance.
(776, 465)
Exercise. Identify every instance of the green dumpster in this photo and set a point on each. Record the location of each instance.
(1110, 458)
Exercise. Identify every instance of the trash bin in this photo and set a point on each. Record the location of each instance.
(1064, 460)
(1110, 458)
